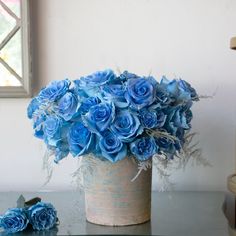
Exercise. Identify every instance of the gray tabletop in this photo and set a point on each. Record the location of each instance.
(173, 213)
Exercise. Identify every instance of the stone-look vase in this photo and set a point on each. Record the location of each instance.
(111, 198)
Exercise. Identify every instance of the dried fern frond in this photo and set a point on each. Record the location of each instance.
(86, 166)
(142, 166)
(48, 165)
(161, 134)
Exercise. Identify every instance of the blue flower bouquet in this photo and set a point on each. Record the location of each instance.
(114, 118)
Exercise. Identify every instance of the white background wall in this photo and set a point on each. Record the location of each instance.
(185, 38)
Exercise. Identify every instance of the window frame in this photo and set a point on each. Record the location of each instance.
(24, 90)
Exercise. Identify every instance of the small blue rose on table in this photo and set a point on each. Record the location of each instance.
(42, 216)
(33, 213)
(14, 220)
(114, 116)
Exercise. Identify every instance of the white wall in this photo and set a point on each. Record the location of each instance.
(186, 38)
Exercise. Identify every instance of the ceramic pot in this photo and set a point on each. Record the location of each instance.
(111, 198)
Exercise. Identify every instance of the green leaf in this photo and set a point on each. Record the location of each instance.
(32, 201)
(20, 202)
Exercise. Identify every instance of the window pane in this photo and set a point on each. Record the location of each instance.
(7, 23)
(11, 53)
(13, 5)
(7, 79)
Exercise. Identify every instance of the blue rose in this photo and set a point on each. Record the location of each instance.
(141, 92)
(152, 119)
(87, 103)
(166, 147)
(179, 90)
(143, 148)
(112, 148)
(54, 91)
(14, 220)
(186, 87)
(178, 117)
(38, 125)
(81, 140)
(97, 79)
(42, 216)
(127, 75)
(162, 96)
(33, 106)
(61, 151)
(54, 130)
(116, 94)
(99, 117)
(126, 126)
(67, 106)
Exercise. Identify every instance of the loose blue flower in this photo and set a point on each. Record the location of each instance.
(42, 216)
(112, 148)
(14, 220)
(143, 148)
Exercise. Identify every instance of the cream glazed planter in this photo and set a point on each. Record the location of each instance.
(111, 198)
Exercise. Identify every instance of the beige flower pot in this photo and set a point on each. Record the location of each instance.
(111, 198)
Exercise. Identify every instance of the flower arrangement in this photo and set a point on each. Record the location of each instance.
(113, 116)
(39, 215)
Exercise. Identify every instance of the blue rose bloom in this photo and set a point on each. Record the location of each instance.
(67, 106)
(112, 148)
(152, 119)
(80, 139)
(97, 79)
(116, 94)
(38, 125)
(166, 146)
(162, 96)
(178, 117)
(189, 116)
(144, 148)
(14, 220)
(180, 90)
(42, 216)
(99, 117)
(126, 126)
(61, 151)
(127, 75)
(54, 91)
(33, 106)
(141, 92)
(87, 103)
(53, 130)
(186, 87)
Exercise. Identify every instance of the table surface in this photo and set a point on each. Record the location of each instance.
(173, 213)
